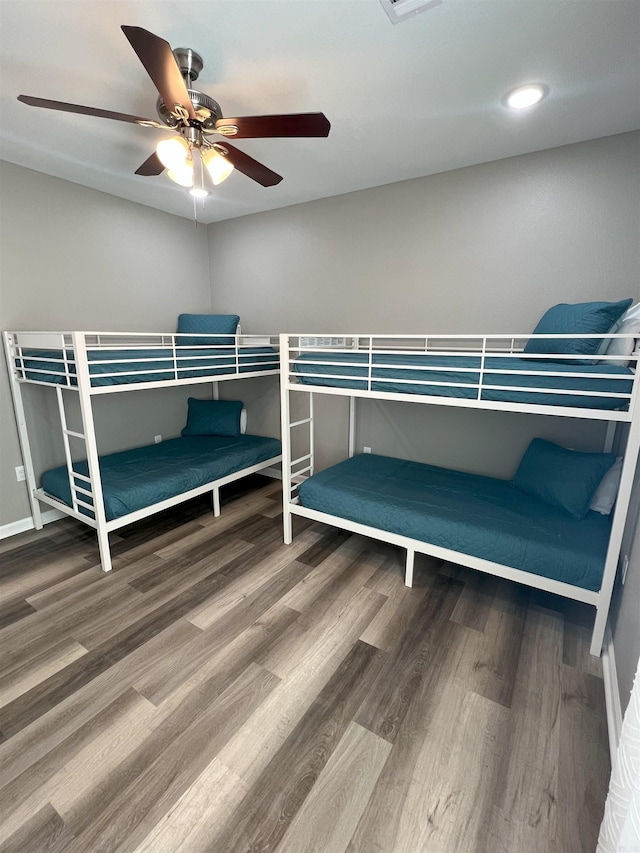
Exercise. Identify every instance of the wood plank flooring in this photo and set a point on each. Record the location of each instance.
(220, 692)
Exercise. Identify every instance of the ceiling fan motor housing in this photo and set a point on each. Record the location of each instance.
(189, 62)
(200, 102)
(209, 111)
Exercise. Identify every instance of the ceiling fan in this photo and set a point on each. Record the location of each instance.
(194, 116)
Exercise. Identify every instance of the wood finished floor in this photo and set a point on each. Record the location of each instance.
(220, 692)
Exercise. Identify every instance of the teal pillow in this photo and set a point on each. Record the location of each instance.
(563, 478)
(585, 318)
(213, 417)
(207, 324)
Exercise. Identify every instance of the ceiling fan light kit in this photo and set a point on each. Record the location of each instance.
(193, 116)
(177, 155)
(218, 166)
(173, 152)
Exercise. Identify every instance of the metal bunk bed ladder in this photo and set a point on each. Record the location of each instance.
(292, 477)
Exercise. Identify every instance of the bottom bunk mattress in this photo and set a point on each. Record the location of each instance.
(472, 514)
(138, 478)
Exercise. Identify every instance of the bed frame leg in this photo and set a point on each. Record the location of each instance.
(599, 627)
(105, 551)
(287, 527)
(408, 571)
(216, 503)
(36, 513)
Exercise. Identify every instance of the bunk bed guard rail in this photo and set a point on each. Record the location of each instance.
(476, 371)
(114, 360)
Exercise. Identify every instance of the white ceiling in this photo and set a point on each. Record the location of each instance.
(404, 101)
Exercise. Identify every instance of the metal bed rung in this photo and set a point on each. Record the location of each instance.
(86, 505)
(22, 368)
(299, 423)
(296, 482)
(301, 471)
(78, 491)
(74, 434)
(300, 459)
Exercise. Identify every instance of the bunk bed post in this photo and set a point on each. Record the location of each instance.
(285, 419)
(216, 502)
(312, 444)
(609, 436)
(620, 511)
(408, 571)
(352, 413)
(84, 393)
(23, 435)
(352, 426)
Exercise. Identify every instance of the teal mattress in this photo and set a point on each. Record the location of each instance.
(468, 513)
(138, 478)
(332, 370)
(119, 367)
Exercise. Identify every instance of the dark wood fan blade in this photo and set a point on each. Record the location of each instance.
(160, 63)
(151, 166)
(87, 111)
(295, 124)
(248, 166)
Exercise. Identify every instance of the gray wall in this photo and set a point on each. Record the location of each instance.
(73, 258)
(487, 248)
(483, 249)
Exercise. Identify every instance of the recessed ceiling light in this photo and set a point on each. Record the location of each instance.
(525, 96)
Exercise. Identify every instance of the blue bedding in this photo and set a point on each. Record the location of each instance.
(134, 479)
(197, 362)
(407, 367)
(468, 513)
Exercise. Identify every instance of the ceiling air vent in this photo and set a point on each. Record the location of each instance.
(400, 10)
(322, 342)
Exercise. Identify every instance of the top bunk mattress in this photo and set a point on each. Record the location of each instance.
(133, 366)
(403, 373)
(468, 513)
(138, 478)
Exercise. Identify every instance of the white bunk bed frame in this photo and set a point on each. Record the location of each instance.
(72, 374)
(295, 471)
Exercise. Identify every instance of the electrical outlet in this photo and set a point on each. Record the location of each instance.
(20, 475)
(625, 566)
(157, 439)
(366, 450)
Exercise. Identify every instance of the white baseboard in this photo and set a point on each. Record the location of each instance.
(611, 694)
(25, 524)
